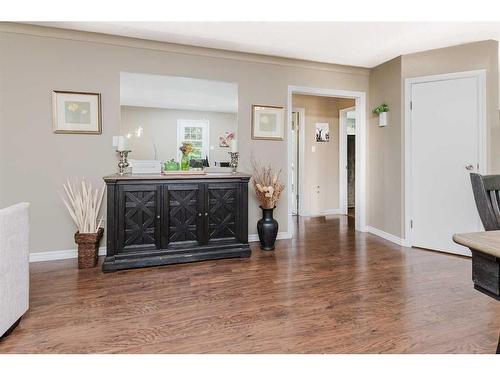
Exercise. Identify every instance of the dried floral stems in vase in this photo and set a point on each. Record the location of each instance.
(267, 184)
(83, 204)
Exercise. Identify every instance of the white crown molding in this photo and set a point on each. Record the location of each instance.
(385, 235)
(45, 256)
(84, 36)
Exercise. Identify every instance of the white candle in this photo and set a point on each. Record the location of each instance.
(234, 145)
(122, 143)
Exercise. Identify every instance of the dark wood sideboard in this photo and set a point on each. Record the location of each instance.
(155, 220)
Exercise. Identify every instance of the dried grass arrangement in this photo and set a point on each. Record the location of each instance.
(83, 204)
(267, 184)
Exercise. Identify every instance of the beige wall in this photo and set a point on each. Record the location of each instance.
(160, 125)
(34, 161)
(321, 176)
(385, 158)
(384, 155)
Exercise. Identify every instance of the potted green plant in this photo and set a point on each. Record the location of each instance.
(381, 111)
(84, 204)
(171, 165)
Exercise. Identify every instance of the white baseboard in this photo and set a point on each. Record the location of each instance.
(73, 253)
(281, 236)
(332, 211)
(385, 235)
(58, 255)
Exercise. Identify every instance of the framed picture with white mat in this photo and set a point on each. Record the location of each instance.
(268, 122)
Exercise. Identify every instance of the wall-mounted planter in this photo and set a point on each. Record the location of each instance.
(382, 119)
(381, 111)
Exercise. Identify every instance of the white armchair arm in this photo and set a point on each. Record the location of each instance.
(14, 264)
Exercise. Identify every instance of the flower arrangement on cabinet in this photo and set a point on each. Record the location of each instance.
(186, 149)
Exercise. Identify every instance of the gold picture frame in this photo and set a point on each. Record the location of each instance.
(75, 112)
(268, 122)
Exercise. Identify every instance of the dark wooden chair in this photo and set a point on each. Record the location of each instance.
(487, 196)
(486, 191)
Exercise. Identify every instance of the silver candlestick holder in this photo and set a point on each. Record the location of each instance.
(234, 160)
(123, 163)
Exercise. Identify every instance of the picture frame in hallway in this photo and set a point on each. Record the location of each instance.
(268, 122)
(322, 132)
(76, 112)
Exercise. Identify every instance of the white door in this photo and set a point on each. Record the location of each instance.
(444, 144)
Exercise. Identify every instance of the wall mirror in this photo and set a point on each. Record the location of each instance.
(159, 113)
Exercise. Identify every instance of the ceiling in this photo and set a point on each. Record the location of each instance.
(156, 91)
(365, 44)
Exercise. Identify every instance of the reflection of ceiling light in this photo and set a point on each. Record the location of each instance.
(138, 132)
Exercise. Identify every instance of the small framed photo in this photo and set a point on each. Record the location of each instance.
(225, 139)
(268, 122)
(322, 132)
(76, 112)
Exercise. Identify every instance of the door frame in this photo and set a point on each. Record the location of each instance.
(302, 123)
(343, 159)
(480, 75)
(360, 104)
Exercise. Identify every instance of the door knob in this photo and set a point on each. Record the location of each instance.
(206, 213)
(199, 214)
(469, 167)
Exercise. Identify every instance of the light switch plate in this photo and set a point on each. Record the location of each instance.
(313, 148)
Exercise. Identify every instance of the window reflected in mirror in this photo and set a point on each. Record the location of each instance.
(160, 113)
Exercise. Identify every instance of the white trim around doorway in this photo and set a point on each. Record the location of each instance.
(343, 160)
(302, 143)
(360, 105)
(482, 134)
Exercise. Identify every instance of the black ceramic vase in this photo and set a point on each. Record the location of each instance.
(267, 228)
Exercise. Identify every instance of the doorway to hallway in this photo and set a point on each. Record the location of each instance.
(318, 176)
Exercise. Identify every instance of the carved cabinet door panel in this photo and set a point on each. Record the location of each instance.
(223, 219)
(183, 214)
(138, 218)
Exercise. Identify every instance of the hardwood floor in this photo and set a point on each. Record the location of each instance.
(330, 290)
